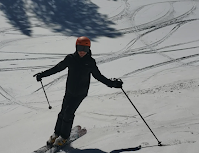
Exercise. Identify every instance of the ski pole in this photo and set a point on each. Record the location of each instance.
(159, 143)
(45, 95)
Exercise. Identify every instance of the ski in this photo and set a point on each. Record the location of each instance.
(72, 138)
(45, 148)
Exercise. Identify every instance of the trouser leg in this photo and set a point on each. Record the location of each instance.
(66, 116)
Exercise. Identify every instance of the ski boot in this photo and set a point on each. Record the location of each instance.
(52, 139)
(59, 142)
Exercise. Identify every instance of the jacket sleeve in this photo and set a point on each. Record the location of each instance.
(97, 75)
(57, 68)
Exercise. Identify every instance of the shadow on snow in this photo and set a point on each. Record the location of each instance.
(69, 17)
(70, 149)
(15, 12)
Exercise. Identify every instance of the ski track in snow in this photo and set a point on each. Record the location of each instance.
(133, 52)
(161, 22)
(10, 100)
(170, 87)
(148, 67)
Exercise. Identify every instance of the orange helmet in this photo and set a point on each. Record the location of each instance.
(83, 41)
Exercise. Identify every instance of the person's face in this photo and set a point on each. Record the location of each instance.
(82, 53)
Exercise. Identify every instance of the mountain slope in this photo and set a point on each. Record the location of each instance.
(152, 46)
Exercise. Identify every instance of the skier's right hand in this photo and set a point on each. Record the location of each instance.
(38, 76)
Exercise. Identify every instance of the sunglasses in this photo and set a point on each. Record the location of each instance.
(82, 48)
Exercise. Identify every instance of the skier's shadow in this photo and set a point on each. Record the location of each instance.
(73, 150)
(123, 150)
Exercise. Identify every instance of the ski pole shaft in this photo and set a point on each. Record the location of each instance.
(159, 143)
(45, 95)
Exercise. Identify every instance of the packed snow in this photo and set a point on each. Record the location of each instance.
(152, 45)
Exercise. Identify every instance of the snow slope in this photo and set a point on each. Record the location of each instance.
(151, 45)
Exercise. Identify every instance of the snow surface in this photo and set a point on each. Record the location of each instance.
(152, 45)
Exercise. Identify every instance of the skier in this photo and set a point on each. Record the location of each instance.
(80, 67)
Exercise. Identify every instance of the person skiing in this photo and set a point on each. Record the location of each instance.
(80, 67)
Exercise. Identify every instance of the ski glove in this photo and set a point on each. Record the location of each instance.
(116, 83)
(38, 76)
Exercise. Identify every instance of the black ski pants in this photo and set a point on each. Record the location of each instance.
(66, 116)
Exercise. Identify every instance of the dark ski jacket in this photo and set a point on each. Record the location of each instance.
(79, 73)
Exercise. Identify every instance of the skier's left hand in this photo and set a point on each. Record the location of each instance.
(116, 83)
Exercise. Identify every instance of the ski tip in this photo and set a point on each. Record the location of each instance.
(79, 127)
(83, 131)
